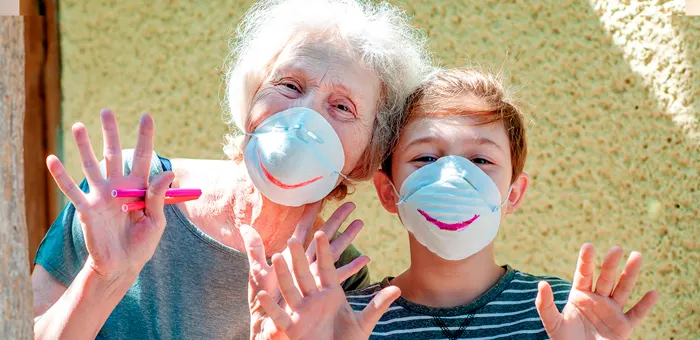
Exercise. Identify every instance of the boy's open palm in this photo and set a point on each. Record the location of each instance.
(599, 313)
(316, 307)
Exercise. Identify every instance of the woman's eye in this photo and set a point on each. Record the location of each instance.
(292, 87)
(480, 161)
(343, 107)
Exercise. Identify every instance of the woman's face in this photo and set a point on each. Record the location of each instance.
(328, 79)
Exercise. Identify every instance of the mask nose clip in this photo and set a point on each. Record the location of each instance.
(302, 129)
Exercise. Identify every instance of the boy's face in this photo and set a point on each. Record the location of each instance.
(425, 140)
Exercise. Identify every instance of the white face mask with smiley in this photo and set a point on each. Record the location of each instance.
(294, 157)
(451, 207)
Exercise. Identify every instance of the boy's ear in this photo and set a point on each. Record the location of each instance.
(516, 195)
(385, 191)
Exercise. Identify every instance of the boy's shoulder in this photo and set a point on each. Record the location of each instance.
(522, 287)
(522, 278)
(365, 293)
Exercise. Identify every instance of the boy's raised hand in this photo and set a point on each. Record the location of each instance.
(599, 313)
(316, 307)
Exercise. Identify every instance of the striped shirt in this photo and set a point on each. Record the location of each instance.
(506, 311)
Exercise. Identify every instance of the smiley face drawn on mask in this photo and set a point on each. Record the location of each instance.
(279, 183)
(447, 226)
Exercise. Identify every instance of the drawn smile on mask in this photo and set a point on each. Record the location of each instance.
(447, 226)
(278, 183)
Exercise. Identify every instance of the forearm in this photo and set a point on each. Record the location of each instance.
(84, 307)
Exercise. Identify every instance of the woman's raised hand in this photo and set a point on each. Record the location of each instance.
(316, 307)
(118, 243)
(264, 278)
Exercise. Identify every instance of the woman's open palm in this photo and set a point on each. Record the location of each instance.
(117, 242)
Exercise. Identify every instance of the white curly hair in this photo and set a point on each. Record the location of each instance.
(378, 33)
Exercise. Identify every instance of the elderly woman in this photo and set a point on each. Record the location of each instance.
(318, 88)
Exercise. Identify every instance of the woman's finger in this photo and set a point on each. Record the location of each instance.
(326, 270)
(155, 198)
(255, 250)
(306, 223)
(341, 243)
(377, 307)
(628, 279)
(351, 268)
(144, 148)
(90, 164)
(585, 267)
(300, 265)
(285, 281)
(112, 148)
(608, 272)
(281, 319)
(332, 225)
(66, 183)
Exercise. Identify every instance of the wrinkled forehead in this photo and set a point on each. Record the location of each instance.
(329, 61)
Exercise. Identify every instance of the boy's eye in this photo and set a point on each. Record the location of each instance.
(480, 161)
(426, 159)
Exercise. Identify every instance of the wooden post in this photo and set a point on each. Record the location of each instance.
(16, 320)
(42, 116)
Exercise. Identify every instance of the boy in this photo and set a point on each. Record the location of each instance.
(455, 172)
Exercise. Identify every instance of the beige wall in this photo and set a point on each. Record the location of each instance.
(610, 89)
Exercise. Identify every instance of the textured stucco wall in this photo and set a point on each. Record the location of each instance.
(610, 87)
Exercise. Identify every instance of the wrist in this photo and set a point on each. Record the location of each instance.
(113, 284)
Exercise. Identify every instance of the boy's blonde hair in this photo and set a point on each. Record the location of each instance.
(469, 92)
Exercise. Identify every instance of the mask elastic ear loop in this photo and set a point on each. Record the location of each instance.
(401, 199)
(341, 175)
(505, 200)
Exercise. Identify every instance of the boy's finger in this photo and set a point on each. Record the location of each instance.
(351, 268)
(608, 272)
(285, 281)
(144, 148)
(637, 313)
(326, 270)
(628, 279)
(112, 148)
(66, 183)
(583, 277)
(281, 319)
(90, 164)
(300, 265)
(551, 318)
(377, 307)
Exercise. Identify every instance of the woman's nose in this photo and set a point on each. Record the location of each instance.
(314, 100)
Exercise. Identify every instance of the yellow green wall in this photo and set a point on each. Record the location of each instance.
(610, 89)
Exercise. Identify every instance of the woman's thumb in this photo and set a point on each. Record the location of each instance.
(155, 197)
